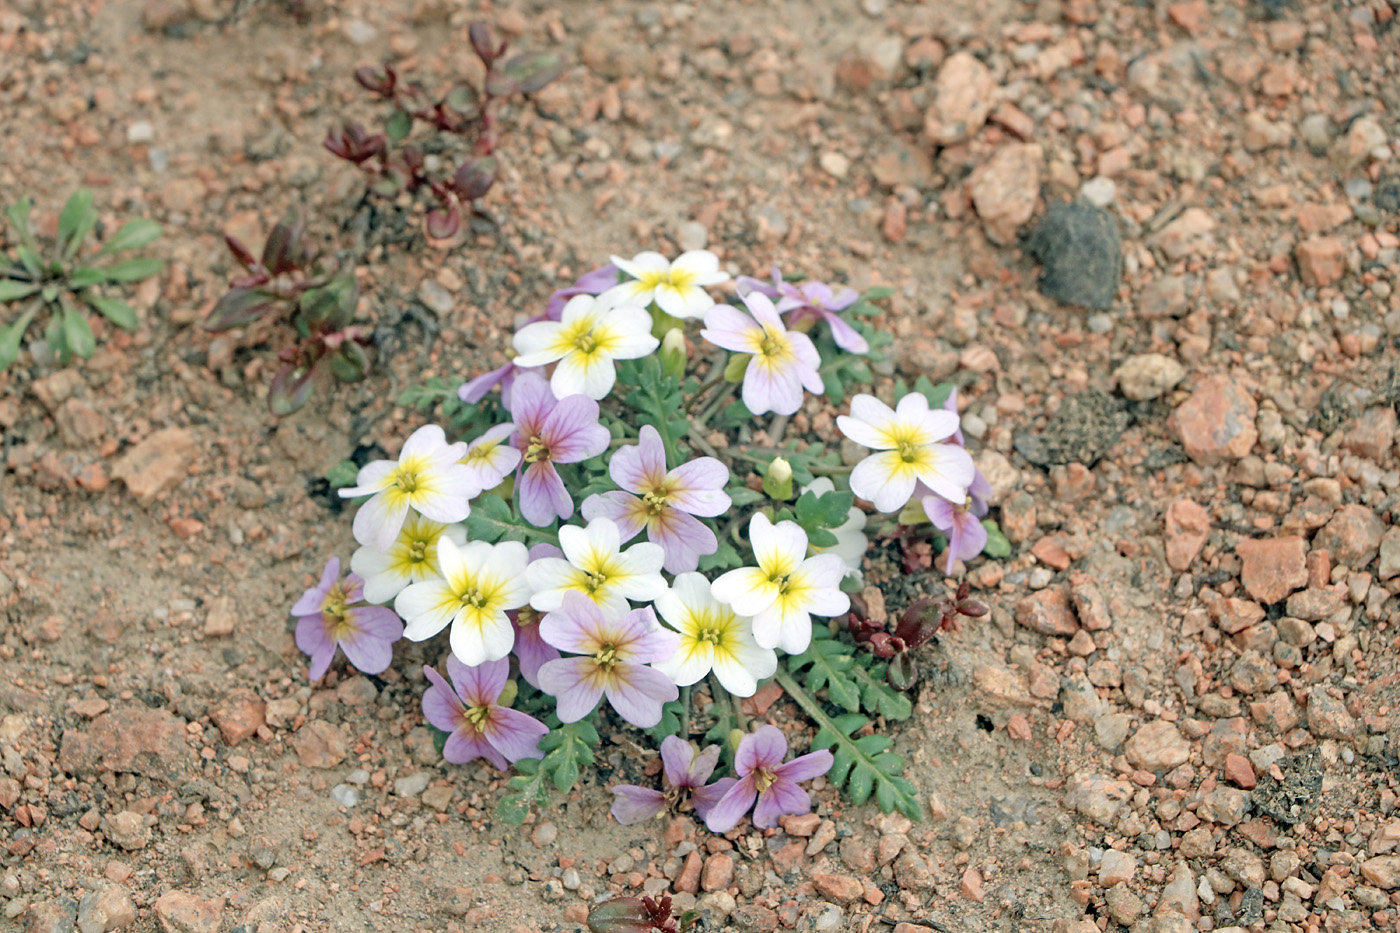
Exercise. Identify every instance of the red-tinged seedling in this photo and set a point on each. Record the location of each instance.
(638, 915)
(62, 278)
(290, 278)
(918, 624)
(454, 180)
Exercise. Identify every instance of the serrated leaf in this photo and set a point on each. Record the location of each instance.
(567, 748)
(671, 713)
(492, 520)
(524, 791)
(829, 663)
(113, 309)
(132, 235)
(877, 696)
(853, 767)
(725, 557)
(11, 289)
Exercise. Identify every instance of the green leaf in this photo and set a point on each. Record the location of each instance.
(937, 395)
(133, 235)
(997, 544)
(30, 259)
(492, 520)
(524, 791)
(426, 395)
(399, 125)
(742, 495)
(727, 557)
(133, 270)
(56, 339)
(567, 749)
(830, 663)
(829, 510)
(878, 293)
(75, 222)
(76, 332)
(878, 697)
(11, 289)
(343, 474)
(671, 713)
(858, 765)
(113, 309)
(18, 215)
(658, 402)
(11, 333)
(835, 390)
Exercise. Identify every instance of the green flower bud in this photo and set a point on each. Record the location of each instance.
(734, 369)
(777, 480)
(673, 353)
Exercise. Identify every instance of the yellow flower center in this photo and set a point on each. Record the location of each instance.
(763, 779)
(526, 616)
(712, 635)
(908, 451)
(655, 501)
(477, 716)
(472, 597)
(596, 579)
(780, 578)
(406, 478)
(606, 657)
(586, 343)
(771, 346)
(418, 552)
(538, 450)
(333, 606)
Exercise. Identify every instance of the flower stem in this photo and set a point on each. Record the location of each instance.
(685, 713)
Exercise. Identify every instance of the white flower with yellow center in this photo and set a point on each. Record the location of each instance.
(427, 478)
(786, 588)
(590, 334)
(411, 559)
(595, 565)
(490, 458)
(479, 583)
(678, 288)
(909, 446)
(713, 637)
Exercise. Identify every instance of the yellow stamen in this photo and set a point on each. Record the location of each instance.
(406, 479)
(606, 657)
(538, 450)
(763, 779)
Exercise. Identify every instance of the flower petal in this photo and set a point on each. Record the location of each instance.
(765, 747)
(514, 734)
(542, 494)
(809, 766)
(948, 470)
(372, 633)
(730, 809)
(571, 681)
(641, 467)
(705, 798)
(884, 480)
(637, 692)
(676, 756)
(781, 797)
(636, 804)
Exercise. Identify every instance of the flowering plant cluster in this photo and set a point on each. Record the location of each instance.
(607, 528)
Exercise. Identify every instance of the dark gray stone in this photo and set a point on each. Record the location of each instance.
(1081, 253)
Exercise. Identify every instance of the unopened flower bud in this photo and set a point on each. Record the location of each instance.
(735, 368)
(735, 737)
(673, 353)
(777, 480)
(508, 693)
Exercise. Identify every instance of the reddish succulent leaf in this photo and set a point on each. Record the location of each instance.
(442, 223)
(525, 73)
(483, 43)
(283, 250)
(474, 177)
(377, 78)
(920, 622)
(291, 387)
(331, 307)
(238, 308)
(351, 363)
(242, 253)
